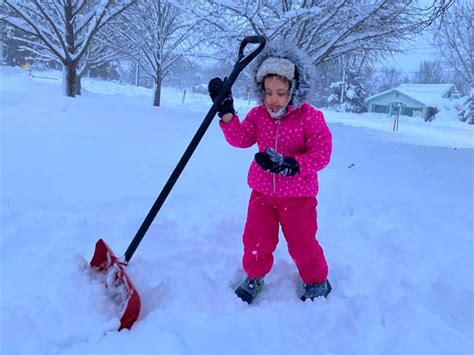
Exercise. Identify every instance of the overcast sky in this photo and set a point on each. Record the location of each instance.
(414, 54)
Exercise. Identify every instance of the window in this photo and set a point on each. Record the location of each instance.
(380, 108)
(412, 111)
(408, 111)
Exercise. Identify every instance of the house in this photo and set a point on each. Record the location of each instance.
(415, 100)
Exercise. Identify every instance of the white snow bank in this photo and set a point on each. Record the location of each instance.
(395, 221)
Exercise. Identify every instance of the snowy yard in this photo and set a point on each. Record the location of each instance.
(395, 220)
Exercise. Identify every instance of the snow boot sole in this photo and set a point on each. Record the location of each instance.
(244, 295)
(328, 291)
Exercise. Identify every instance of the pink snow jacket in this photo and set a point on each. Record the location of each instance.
(302, 133)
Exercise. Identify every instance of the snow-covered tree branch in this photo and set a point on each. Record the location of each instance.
(454, 37)
(327, 29)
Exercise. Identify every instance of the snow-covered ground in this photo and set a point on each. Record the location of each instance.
(395, 220)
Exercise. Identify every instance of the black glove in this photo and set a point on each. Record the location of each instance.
(227, 106)
(274, 162)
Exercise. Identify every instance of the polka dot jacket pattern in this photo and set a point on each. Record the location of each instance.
(302, 133)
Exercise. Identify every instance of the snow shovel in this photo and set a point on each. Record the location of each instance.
(118, 283)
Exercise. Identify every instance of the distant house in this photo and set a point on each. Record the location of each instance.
(415, 100)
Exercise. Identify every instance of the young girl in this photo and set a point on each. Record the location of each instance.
(294, 143)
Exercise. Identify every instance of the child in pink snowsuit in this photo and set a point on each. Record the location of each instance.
(294, 143)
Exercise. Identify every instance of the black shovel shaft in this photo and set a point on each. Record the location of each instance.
(241, 63)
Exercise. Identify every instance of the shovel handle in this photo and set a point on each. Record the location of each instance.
(241, 63)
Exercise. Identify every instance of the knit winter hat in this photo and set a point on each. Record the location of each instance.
(276, 65)
(303, 74)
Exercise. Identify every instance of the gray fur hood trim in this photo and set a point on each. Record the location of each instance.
(304, 70)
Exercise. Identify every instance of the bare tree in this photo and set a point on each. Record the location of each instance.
(64, 29)
(430, 72)
(387, 78)
(97, 54)
(157, 34)
(454, 37)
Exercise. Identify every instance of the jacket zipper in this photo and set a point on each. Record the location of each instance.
(276, 149)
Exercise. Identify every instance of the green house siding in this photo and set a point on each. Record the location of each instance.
(385, 103)
(415, 100)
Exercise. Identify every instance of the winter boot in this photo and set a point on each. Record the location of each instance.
(249, 289)
(312, 291)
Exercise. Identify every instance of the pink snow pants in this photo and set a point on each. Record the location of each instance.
(298, 220)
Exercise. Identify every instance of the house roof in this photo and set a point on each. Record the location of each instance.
(427, 94)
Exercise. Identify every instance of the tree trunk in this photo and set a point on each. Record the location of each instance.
(78, 84)
(137, 74)
(70, 79)
(343, 86)
(71, 64)
(157, 96)
(470, 107)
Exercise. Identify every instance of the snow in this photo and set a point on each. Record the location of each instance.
(395, 220)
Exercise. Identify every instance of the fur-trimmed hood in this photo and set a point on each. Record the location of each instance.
(304, 73)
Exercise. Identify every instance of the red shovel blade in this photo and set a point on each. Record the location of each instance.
(118, 282)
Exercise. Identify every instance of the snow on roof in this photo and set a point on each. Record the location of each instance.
(427, 94)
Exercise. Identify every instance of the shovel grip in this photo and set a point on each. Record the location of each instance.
(241, 63)
(245, 60)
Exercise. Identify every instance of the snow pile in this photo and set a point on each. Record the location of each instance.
(395, 221)
(445, 131)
